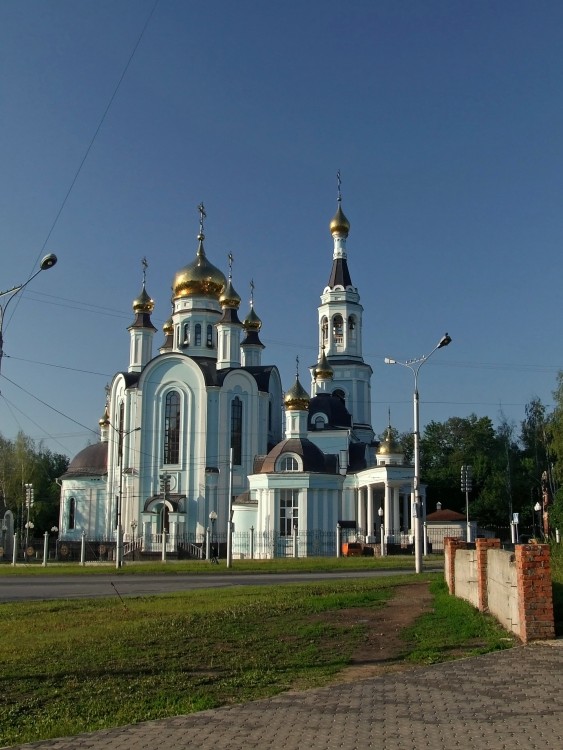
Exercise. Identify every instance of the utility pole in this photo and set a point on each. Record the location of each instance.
(467, 486)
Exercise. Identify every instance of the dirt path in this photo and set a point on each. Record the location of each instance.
(382, 650)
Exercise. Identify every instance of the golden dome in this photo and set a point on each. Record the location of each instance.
(143, 303)
(252, 322)
(323, 371)
(389, 444)
(199, 278)
(168, 326)
(104, 420)
(339, 223)
(297, 398)
(229, 298)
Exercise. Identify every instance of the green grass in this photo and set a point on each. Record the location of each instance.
(196, 567)
(75, 666)
(455, 629)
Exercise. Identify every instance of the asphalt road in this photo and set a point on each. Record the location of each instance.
(29, 588)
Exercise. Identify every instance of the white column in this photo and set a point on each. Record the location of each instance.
(387, 512)
(370, 511)
(396, 510)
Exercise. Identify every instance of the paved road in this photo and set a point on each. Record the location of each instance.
(25, 588)
(505, 700)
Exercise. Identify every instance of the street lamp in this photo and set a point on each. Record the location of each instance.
(381, 530)
(537, 508)
(29, 525)
(414, 366)
(119, 534)
(47, 262)
(133, 529)
(213, 518)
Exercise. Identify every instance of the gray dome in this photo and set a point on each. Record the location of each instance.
(90, 462)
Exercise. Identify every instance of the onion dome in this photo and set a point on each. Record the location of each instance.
(252, 322)
(339, 224)
(199, 278)
(297, 398)
(229, 297)
(168, 327)
(323, 371)
(104, 419)
(143, 303)
(389, 445)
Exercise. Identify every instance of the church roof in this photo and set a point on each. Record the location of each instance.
(339, 274)
(332, 407)
(314, 460)
(92, 461)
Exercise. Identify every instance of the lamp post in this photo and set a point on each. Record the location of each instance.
(537, 508)
(28, 526)
(47, 262)
(118, 530)
(414, 366)
(213, 518)
(133, 529)
(381, 530)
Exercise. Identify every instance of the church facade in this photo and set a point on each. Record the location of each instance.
(200, 439)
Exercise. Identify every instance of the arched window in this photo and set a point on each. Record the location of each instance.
(338, 329)
(172, 428)
(289, 463)
(324, 331)
(352, 327)
(210, 337)
(289, 508)
(197, 332)
(319, 423)
(71, 513)
(186, 339)
(236, 430)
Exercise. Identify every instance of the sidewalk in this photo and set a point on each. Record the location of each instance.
(509, 699)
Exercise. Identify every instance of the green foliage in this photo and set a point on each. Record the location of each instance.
(21, 462)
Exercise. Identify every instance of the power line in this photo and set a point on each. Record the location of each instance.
(91, 144)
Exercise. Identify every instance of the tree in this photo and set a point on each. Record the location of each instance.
(23, 462)
(447, 446)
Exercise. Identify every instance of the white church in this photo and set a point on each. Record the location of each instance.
(199, 441)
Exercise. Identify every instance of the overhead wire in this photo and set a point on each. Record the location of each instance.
(91, 144)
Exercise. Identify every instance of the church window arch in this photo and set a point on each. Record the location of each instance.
(210, 336)
(172, 428)
(324, 330)
(186, 339)
(236, 430)
(197, 334)
(71, 513)
(338, 328)
(320, 422)
(288, 463)
(352, 326)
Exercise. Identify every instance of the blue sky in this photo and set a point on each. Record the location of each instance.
(445, 119)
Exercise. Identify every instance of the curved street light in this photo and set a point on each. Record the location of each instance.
(46, 263)
(414, 366)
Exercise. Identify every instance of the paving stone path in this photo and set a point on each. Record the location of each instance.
(510, 699)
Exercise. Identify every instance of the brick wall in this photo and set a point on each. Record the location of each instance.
(534, 593)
